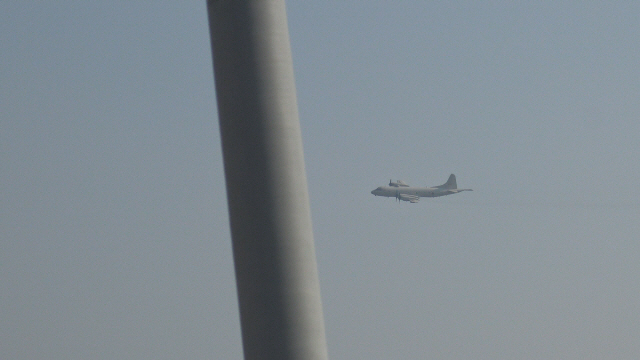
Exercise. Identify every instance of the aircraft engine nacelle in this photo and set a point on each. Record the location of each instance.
(409, 198)
(398, 183)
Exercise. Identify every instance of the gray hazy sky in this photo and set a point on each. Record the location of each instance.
(114, 239)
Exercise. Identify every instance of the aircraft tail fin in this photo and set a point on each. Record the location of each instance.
(450, 184)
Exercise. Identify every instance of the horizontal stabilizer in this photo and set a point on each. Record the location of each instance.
(455, 191)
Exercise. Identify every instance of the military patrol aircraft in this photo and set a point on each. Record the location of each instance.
(403, 192)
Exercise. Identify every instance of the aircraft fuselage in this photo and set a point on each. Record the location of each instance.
(391, 191)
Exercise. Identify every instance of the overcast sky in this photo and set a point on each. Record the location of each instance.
(114, 235)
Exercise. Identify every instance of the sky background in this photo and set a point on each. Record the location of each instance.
(114, 235)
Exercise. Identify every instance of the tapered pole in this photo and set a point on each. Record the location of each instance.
(274, 255)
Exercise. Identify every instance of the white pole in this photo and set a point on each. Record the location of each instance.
(274, 255)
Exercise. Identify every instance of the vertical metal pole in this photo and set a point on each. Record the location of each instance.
(274, 255)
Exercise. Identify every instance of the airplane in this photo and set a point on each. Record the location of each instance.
(403, 192)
